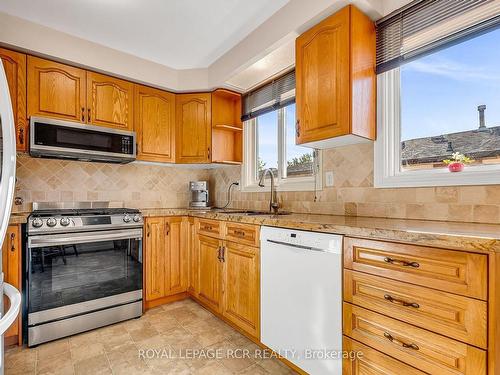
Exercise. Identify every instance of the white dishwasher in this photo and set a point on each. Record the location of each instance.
(301, 297)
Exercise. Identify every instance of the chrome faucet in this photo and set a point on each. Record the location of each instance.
(273, 202)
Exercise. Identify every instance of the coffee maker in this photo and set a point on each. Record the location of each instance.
(199, 194)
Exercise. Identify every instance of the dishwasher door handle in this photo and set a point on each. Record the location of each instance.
(297, 246)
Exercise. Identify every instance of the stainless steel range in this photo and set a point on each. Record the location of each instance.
(83, 268)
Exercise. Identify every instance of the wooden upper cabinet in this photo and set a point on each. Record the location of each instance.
(335, 81)
(14, 64)
(193, 135)
(56, 90)
(154, 124)
(155, 258)
(242, 286)
(109, 101)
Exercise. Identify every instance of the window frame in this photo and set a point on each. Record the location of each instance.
(249, 181)
(387, 153)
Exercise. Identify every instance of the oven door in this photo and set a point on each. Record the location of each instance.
(72, 274)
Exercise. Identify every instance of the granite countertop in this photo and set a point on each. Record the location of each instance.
(483, 238)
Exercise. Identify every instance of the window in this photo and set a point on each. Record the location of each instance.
(436, 105)
(270, 144)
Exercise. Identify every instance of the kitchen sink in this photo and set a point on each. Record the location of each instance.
(254, 212)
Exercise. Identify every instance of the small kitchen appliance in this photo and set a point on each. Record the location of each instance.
(83, 268)
(199, 194)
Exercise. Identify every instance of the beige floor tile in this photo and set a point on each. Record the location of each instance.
(117, 341)
(88, 351)
(53, 348)
(237, 364)
(138, 335)
(255, 369)
(84, 339)
(98, 365)
(130, 366)
(20, 357)
(210, 336)
(213, 368)
(125, 353)
(169, 366)
(61, 364)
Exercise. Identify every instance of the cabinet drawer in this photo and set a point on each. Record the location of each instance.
(241, 233)
(372, 362)
(209, 227)
(454, 316)
(451, 271)
(425, 350)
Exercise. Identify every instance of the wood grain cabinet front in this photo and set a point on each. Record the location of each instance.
(428, 351)
(193, 134)
(458, 317)
(457, 272)
(154, 124)
(368, 361)
(335, 80)
(14, 64)
(242, 286)
(11, 268)
(165, 257)
(56, 90)
(110, 101)
(210, 272)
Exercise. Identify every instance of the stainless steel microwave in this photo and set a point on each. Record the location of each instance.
(70, 140)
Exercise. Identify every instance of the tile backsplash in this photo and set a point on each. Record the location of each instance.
(353, 194)
(137, 185)
(151, 186)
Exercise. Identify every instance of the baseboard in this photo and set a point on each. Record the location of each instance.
(164, 300)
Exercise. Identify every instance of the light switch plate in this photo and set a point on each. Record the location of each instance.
(329, 178)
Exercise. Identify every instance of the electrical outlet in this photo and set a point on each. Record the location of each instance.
(329, 178)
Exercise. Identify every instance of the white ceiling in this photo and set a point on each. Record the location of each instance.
(181, 34)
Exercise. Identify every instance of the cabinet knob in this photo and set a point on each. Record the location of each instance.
(88, 116)
(148, 230)
(297, 128)
(167, 228)
(83, 114)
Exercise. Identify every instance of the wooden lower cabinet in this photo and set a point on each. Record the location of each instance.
(228, 275)
(193, 258)
(241, 286)
(164, 257)
(367, 361)
(11, 267)
(210, 272)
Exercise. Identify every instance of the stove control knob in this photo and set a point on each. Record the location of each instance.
(65, 221)
(37, 222)
(126, 219)
(51, 222)
(137, 218)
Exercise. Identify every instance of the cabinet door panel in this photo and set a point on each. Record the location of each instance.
(14, 64)
(154, 124)
(110, 101)
(322, 86)
(241, 286)
(56, 90)
(193, 128)
(155, 258)
(193, 286)
(175, 263)
(11, 267)
(209, 272)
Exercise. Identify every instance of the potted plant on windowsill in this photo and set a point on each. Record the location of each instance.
(457, 162)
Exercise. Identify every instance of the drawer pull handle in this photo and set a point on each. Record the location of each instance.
(403, 263)
(401, 302)
(388, 336)
(207, 227)
(239, 233)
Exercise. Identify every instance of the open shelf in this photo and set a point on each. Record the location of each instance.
(227, 128)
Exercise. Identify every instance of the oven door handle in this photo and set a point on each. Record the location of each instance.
(77, 238)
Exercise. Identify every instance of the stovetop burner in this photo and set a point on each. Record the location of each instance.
(57, 217)
(85, 212)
